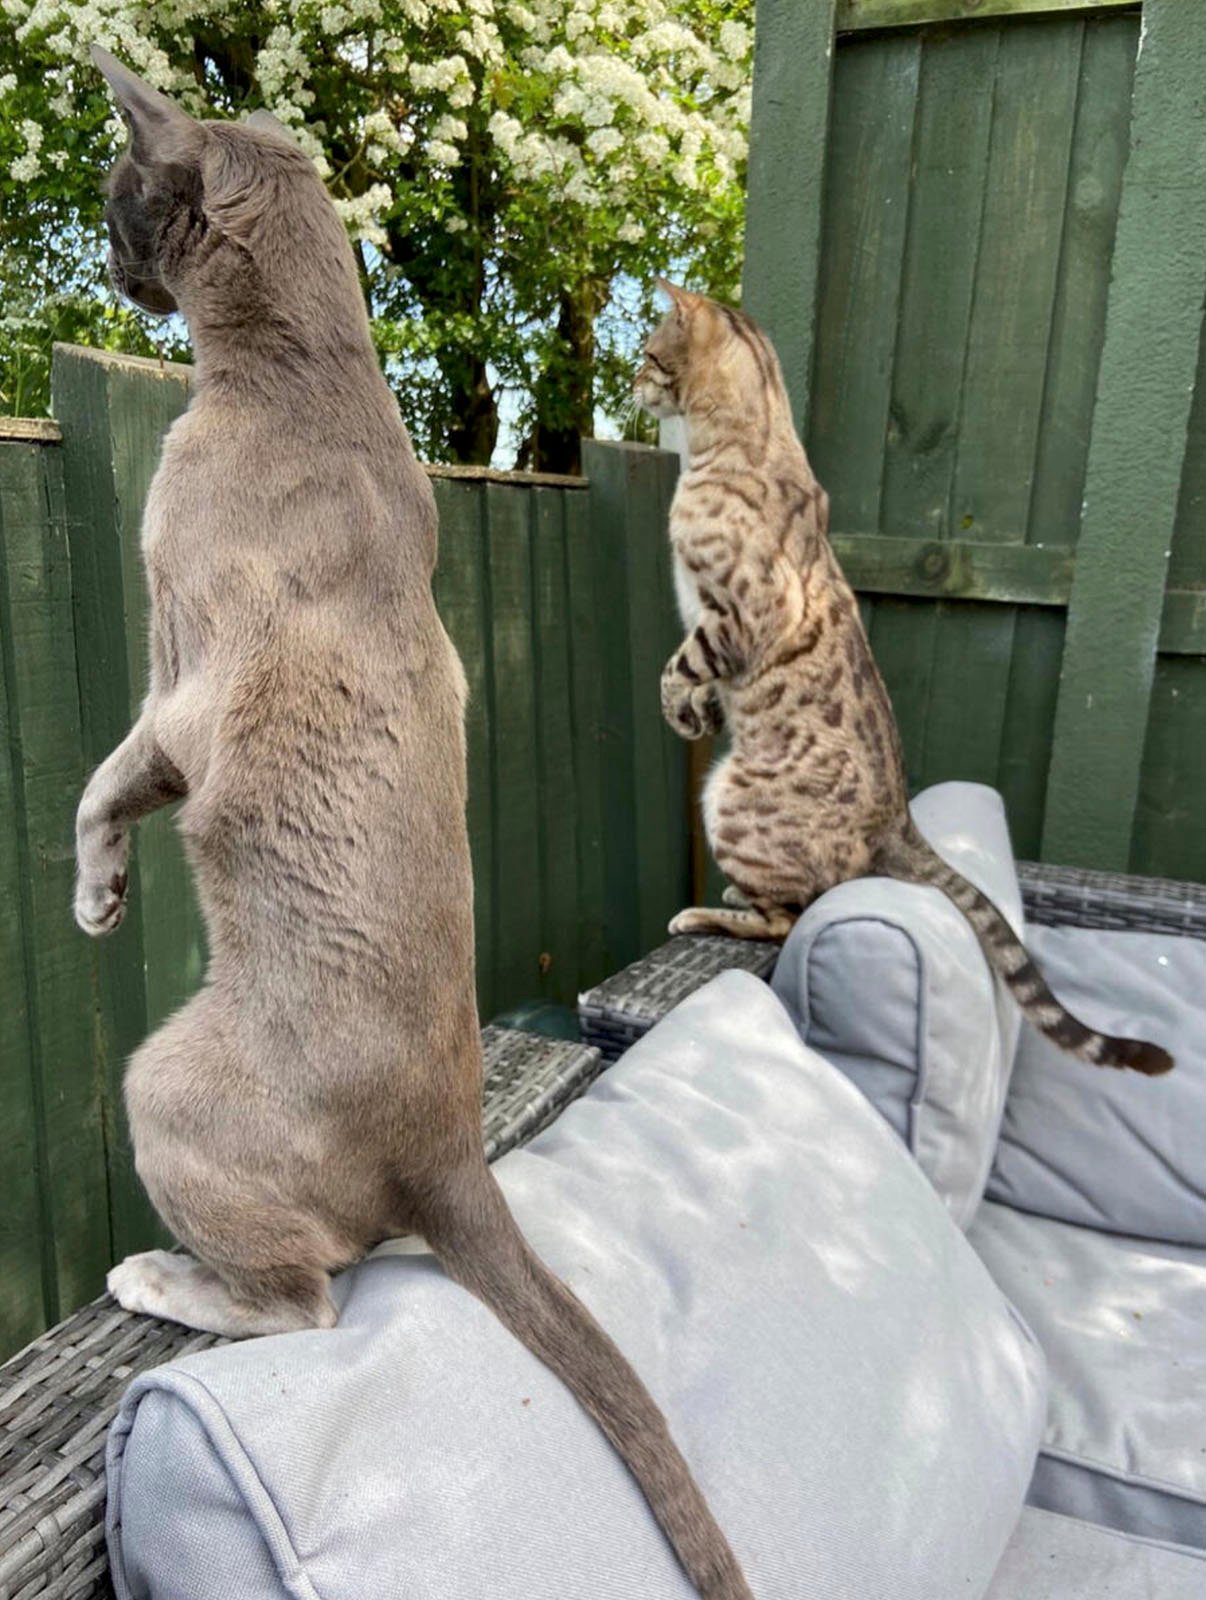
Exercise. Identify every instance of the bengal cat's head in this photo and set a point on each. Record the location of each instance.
(705, 356)
(225, 212)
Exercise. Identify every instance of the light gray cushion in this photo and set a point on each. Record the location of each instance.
(1123, 1323)
(1058, 1558)
(1109, 1149)
(858, 1400)
(887, 981)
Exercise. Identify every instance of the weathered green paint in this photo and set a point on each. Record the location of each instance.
(793, 60)
(1139, 435)
(854, 15)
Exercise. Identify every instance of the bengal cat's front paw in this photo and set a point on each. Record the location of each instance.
(691, 709)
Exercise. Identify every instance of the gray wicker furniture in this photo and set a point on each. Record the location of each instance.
(619, 1010)
(58, 1395)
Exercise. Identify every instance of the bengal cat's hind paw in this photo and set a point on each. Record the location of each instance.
(752, 923)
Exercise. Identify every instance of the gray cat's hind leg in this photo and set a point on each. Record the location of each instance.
(159, 1283)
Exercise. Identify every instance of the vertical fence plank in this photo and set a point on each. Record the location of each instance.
(866, 210)
(644, 766)
(946, 202)
(561, 893)
(606, 469)
(793, 67)
(462, 595)
(43, 713)
(1025, 190)
(1138, 444)
(515, 779)
(1098, 156)
(26, 1255)
(587, 624)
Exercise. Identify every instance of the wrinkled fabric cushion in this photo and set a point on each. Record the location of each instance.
(859, 1402)
(1123, 1324)
(1108, 1149)
(1057, 1558)
(887, 981)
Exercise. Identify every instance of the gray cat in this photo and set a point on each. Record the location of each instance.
(322, 1092)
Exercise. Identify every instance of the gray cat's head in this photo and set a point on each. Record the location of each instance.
(187, 195)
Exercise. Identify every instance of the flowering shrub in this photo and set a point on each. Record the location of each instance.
(512, 176)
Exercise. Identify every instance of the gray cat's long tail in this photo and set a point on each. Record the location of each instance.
(911, 858)
(479, 1245)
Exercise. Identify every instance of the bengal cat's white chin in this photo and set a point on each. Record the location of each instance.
(655, 402)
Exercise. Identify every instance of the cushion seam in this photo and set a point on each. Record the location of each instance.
(1059, 1453)
(208, 1411)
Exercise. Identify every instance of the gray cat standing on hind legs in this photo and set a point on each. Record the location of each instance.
(322, 1091)
(813, 790)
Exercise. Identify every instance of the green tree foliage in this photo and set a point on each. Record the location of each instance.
(513, 176)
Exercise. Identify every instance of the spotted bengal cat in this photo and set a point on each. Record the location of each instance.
(813, 789)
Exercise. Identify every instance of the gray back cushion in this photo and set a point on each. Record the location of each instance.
(1106, 1149)
(888, 982)
(858, 1400)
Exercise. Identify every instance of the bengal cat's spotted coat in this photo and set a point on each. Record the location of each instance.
(813, 790)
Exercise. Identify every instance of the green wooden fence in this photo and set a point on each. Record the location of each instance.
(977, 232)
(558, 595)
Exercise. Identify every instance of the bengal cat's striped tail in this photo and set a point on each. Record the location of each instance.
(911, 858)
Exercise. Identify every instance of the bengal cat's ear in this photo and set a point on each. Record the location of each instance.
(160, 132)
(682, 300)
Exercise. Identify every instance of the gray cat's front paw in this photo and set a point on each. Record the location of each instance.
(100, 906)
(100, 893)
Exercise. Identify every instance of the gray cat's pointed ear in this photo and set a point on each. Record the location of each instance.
(265, 122)
(160, 130)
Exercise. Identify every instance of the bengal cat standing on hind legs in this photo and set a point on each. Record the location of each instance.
(813, 790)
(322, 1092)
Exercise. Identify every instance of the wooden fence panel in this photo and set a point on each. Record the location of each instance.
(977, 157)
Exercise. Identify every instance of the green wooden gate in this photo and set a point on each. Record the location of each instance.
(980, 246)
(558, 595)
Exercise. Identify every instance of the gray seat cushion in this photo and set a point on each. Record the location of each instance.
(857, 1398)
(1107, 1149)
(1123, 1323)
(887, 981)
(1058, 1558)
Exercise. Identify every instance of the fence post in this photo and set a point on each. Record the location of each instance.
(1144, 392)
